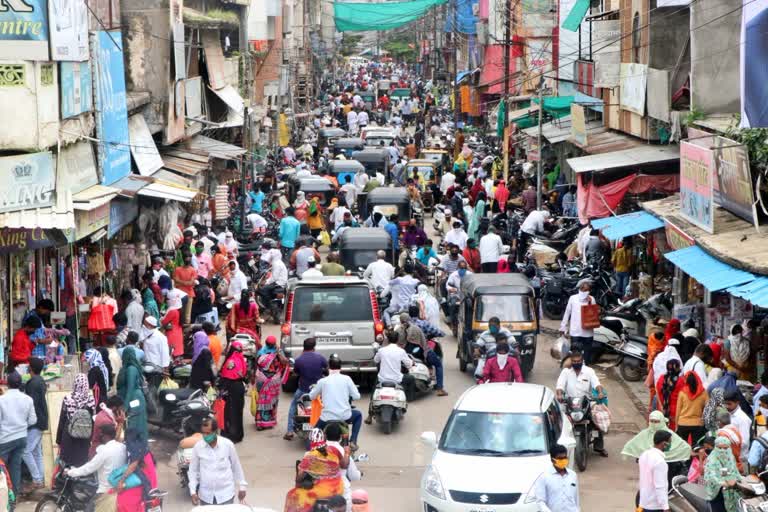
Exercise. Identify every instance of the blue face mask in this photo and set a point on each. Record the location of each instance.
(493, 329)
(462, 272)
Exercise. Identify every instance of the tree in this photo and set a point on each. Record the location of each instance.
(401, 49)
(349, 44)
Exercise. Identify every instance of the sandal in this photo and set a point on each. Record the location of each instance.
(288, 436)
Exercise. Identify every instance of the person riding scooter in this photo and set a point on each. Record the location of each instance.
(392, 358)
(278, 279)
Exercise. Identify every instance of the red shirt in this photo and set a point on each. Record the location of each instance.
(510, 373)
(185, 274)
(473, 258)
(21, 347)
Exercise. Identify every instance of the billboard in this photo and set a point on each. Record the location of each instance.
(696, 187)
(68, 30)
(754, 49)
(24, 30)
(76, 88)
(27, 181)
(111, 109)
(733, 187)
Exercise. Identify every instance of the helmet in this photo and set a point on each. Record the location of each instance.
(316, 438)
(334, 362)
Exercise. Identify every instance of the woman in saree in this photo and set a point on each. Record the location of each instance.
(477, 215)
(129, 389)
(668, 389)
(318, 475)
(244, 316)
(271, 371)
(142, 463)
(232, 377)
(720, 476)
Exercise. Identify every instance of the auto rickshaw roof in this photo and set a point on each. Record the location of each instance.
(349, 142)
(421, 161)
(370, 155)
(315, 183)
(496, 284)
(332, 132)
(345, 165)
(365, 238)
(382, 195)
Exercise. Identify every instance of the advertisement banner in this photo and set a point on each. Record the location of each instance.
(87, 222)
(122, 211)
(634, 78)
(733, 187)
(754, 44)
(27, 181)
(76, 88)
(578, 125)
(676, 238)
(111, 109)
(17, 240)
(24, 30)
(696, 194)
(76, 168)
(69, 29)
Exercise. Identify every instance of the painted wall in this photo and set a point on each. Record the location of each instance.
(31, 100)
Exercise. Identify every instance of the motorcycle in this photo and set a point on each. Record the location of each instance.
(579, 410)
(388, 405)
(176, 409)
(558, 288)
(274, 307)
(301, 424)
(632, 351)
(635, 315)
(690, 497)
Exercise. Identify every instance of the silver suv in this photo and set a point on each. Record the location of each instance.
(340, 312)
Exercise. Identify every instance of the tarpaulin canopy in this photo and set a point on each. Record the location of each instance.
(466, 21)
(709, 271)
(629, 224)
(755, 291)
(359, 16)
(576, 16)
(597, 201)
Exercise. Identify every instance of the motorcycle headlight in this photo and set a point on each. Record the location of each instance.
(528, 340)
(432, 484)
(577, 415)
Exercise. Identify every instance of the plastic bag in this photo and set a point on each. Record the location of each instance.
(560, 347)
(168, 383)
(601, 416)
(254, 394)
(218, 410)
(325, 238)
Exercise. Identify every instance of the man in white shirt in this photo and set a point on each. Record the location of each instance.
(155, 344)
(352, 122)
(531, 226)
(215, 472)
(337, 216)
(391, 359)
(312, 270)
(257, 222)
(394, 153)
(571, 323)
(739, 419)
(491, 248)
(157, 269)
(110, 455)
(380, 272)
(457, 236)
(447, 181)
(349, 190)
(336, 390)
(361, 180)
(654, 484)
(362, 119)
(557, 488)
(697, 362)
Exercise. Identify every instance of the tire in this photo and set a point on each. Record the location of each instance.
(582, 449)
(630, 372)
(552, 309)
(386, 418)
(48, 504)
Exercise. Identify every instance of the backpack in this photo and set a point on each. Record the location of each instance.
(80, 424)
(764, 458)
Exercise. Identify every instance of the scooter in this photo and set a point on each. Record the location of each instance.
(301, 424)
(632, 351)
(690, 497)
(388, 404)
(176, 409)
(422, 379)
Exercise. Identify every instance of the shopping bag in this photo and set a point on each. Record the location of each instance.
(168, 383)
(218, 411)
(560, 347)
(601, 416)
(254, 393)
(317, 408)
(590, 315)
(325, 238)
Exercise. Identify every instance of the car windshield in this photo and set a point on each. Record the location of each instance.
(332, 304)
(508, 308)
(494, 434)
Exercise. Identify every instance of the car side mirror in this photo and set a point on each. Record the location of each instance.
(430, 439)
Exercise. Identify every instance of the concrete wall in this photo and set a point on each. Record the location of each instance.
(715, 54)
(669, 33)
(31, 112)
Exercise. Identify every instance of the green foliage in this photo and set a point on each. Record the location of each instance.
(349, 44)
(401, 49)
(756, 141)
(228, 17)
(693, 116)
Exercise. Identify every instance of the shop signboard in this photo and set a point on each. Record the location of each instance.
(111, 108)
(696, 188)
(733, 187)
(27, 181)
(87, 222)
(76, 168)
(533, 149)
(17, 240)
(578, 125)
(24, 30)
(69, 30)
(122, 211)
(76, 88)
(676, 238)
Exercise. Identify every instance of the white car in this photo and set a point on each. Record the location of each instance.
(493, 448)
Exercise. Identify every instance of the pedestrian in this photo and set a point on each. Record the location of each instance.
(668, 388)
(309, 367)
(75, 423)
(654, 485)
(720, 476)
(134, 311)
(129, 389)
(491, 249)
(214, 343)
(478, 214)
(17, 415)
(679, 450)
(738, 353)
(689, 414)
(111, 412)
(739, 419)
(232, 378)
(98, 375)
(557, 488)
(288, 232)
(156, 350)
(471, 255)
(201, 376)
(142, 463)
(217, 487)
(271, 371)
(244, 316)
(623, 260)
(22, 344)
(175, 334)
(33, 454)
(572, 322)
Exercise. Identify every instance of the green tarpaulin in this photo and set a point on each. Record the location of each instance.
(358, 17)
(555, 107)
(576, 16)
(500, 118)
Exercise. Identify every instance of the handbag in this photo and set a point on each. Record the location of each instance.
(590, 315)
(254, 393)
(132, 481)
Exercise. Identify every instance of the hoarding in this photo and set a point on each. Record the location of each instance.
(24, 30)
(76, 88)
(27, 181)
(733, 188)
(69, 30)
(696, 177)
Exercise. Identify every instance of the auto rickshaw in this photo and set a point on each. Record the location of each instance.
(400, 93)
(340, 169)
(369, 97)
(374, 160)
(311, 186)
(328, 136)
(440, 157)
(510, 297)
(358, 246)
(348, 145)
(428, 177)
(389, 200)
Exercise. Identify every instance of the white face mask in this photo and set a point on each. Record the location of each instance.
(583, 295)
(764, 411)
(502, 360)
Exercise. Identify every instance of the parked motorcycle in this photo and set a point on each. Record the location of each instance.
(690, 497)
(173, 408)
(632, 351)
(388, 405)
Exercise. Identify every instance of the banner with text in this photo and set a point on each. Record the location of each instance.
(696, 187)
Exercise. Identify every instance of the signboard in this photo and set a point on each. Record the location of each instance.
(26, 181)
(24, 30)
(533, 149)
(578, 124)
(733, 187)
(143, 147)
(17, 240)
(122, 211)
(676, 238)
(76, 88)
(634, 78)
(76, 168)
(69, 29)
(696, 194)
(606, 42)
(111, 109)
(87, 222)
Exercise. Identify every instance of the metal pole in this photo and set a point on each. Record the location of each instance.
(538, 167)
(507, 47)
(456, 97)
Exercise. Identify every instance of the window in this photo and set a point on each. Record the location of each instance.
(495, 434)
(341, 304)
(636, 38)
(508, 308)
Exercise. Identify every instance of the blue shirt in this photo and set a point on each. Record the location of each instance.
(394, 232)
(424, 256)
(289, 231)
(756, 451)
(310, 367)
(756, 399)
(258, 201)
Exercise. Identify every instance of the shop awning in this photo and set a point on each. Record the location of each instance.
(213, 147)
(625, 158)
(461, 75)
(163, 190)
(364, 16)
(130, 185)
(620, 226)
(709, 271)
(93, 197)
(755, 291)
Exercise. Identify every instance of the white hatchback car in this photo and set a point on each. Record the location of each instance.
(493, 448)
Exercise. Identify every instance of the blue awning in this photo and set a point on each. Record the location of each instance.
(461, 74)
(755, 291)
(711, 272)
(620, 226)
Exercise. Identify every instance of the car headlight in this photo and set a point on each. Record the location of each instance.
(432, 484)
(528, 339)
(577, 415)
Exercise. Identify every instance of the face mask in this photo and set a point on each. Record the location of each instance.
(764, 411)
(654, 426)
(199, 250)
(722, 450)
(462, 272)
(583, 295)
(493, 329)
(708, 451)
(577, 366)
(667, 447)
(209, 438)
(560, 463)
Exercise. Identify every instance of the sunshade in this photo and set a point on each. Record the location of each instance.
(620, 226)
(709, 271)
(359, 17)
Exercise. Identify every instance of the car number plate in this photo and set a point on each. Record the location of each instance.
(306, 427)
(332, 339)
(155, 509)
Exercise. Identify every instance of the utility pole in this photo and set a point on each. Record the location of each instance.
(538, 166)
(456, 97)
(507, 47)
(245, 163)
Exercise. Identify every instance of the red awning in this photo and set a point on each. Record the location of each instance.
(492, 73)
(595, 201)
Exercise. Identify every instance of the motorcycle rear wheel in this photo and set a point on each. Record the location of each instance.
(48, 504)
(552, 310)
(630, 372)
